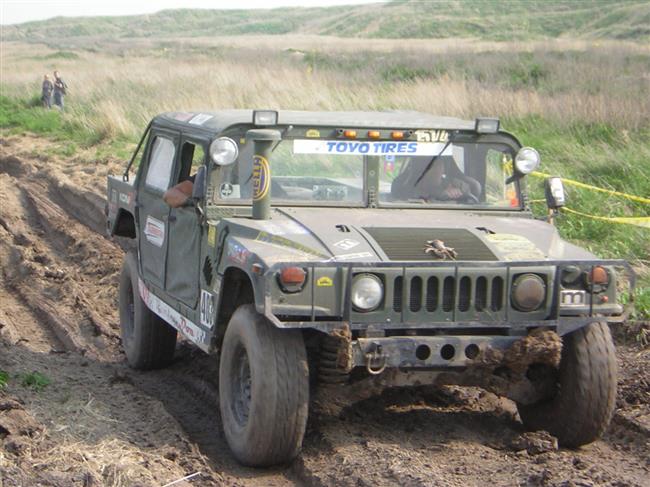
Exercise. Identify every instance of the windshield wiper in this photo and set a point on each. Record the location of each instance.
(426, 169)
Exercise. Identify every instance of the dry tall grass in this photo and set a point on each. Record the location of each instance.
(117, 90)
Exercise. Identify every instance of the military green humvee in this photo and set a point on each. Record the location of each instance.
(357, 248)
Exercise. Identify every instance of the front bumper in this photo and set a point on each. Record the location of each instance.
(459, 308)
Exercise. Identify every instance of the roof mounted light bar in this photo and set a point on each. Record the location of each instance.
(486, 125)
(263, 118)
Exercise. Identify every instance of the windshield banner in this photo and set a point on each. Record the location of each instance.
(378, 148)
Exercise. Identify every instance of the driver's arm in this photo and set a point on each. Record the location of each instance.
(177, 195)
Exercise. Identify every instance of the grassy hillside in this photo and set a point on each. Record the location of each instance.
(585, 106)
(483, 19)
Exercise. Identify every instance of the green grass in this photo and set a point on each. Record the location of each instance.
(18, 115)
(604, 157)
(4, 379)
(483, 19)
(36, 381)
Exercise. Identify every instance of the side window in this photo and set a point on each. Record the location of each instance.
(192, 157)
(161, 163)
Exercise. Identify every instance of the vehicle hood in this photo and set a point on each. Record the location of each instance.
(338, 234)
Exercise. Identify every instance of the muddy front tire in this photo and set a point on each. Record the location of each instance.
(263, 389)
(584, 401)
(148, 341)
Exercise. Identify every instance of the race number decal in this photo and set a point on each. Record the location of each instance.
(207, 309)
(260, 178)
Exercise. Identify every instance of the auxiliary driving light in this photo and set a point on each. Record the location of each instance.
(224, 151)
(527, 160)
(486, 125)
(367, 292)
(262, 118)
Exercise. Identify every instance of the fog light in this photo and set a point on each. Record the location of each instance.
(528, 292)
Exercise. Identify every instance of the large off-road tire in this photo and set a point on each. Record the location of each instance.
(263, 389)
(582, 406)
(148, 341)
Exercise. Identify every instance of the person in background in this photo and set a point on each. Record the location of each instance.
(46, 92)
(59, 90)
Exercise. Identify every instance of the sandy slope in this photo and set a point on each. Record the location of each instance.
(99, 423)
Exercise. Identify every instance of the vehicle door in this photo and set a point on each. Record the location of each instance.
(155, 178)
(183, 256)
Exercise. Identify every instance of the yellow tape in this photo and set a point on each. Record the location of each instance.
(642, 221)
(594, 188)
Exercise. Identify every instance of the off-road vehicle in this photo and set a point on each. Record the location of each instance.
(357, 249)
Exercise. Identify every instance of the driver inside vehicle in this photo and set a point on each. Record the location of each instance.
(177, 195)
(443, 181)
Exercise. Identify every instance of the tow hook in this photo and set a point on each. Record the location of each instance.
(376, 359)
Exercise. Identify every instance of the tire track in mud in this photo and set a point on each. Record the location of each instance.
(406, 438)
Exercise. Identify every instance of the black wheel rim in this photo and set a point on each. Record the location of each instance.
(241, 386)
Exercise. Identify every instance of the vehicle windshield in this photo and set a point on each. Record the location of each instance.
(333, 172)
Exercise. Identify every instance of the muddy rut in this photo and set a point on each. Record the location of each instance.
(100, 423)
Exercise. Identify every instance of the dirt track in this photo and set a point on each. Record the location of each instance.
(99, 423)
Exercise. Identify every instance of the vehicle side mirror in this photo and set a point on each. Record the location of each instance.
(554, 191)
(198, 190)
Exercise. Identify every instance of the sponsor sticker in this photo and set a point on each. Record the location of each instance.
(383, 148)
(225, 190)
(207, 309)
(171, 316)
(358, 255)
(515, 247)
(183, 116)
(283, 227)
(432, 135)
(154, 231)
(571, 297)
(312, 133)
(346, 244)
(200, 119)
(125, 198)
(324, 281)
(212, 236)
(237, 253)
(261, 179)
(285, 242)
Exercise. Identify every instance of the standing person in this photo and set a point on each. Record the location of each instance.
(59, 90)
(46, 92)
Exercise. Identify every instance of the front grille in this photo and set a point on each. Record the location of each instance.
(469, 294)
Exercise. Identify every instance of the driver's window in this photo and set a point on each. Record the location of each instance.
(192, 157)
(161, 163)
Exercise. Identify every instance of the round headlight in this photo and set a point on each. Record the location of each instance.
(527, 160)
(367, 292)
(528, 292)
(224, 151)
